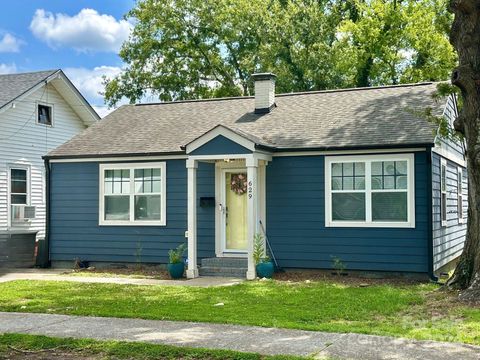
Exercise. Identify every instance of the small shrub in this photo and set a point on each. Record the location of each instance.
(338, 265)
(259, 254)
(175, 255)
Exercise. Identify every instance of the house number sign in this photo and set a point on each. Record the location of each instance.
(250, 189)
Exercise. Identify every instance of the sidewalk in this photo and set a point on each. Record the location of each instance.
(59, 275)
(234, 337)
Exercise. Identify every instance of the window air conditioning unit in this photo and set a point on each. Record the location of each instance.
(23, 212)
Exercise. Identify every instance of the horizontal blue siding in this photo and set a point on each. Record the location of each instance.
(299, 238)
(295, 220)
(220, 145)
(74, 229)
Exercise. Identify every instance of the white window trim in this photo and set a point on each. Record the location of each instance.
(131, 166)
(11, 167)
(410, 223)
(443, 163)
(461, 219)
(51, 105)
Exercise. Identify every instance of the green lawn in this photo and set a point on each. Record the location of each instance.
(412, 311)
(12, 345)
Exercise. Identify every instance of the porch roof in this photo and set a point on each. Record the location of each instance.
(334, 119)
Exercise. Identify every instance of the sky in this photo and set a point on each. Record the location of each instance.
(81, 37)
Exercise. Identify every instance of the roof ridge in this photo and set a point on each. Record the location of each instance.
(32, 72)
(363, 88)
(313, 92)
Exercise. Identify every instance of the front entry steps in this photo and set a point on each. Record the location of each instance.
(224, 266)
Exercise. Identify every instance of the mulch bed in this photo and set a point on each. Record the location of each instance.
(352, 278)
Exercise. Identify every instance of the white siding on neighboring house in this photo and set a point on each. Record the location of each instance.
(24, 142)
(449, 236)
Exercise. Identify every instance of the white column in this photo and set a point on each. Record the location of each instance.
(252, 211)
(192, 270)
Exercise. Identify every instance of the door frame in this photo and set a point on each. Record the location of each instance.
(220, 168)
(223, 220)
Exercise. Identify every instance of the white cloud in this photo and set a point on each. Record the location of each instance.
(87, 31)
(90, 83)
(9, 43)
(8, 68)
(102, 111)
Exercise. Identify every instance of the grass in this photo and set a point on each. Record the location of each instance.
(37, 347)
(416, 311)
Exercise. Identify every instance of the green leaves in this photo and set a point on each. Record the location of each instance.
(185, 49)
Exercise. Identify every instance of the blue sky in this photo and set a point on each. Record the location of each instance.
(82, 37)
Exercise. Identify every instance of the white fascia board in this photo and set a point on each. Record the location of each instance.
(81, 107)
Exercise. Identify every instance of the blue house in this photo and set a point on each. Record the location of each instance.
(352, 174)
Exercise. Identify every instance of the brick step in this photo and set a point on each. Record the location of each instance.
(222, 271)
(224, 262)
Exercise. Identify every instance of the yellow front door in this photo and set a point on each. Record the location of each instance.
(236, 211)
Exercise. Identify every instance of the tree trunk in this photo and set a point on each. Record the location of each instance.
(465, 37)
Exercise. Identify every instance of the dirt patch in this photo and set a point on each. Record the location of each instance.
(351, 278)
(49, 354)
(138, 272)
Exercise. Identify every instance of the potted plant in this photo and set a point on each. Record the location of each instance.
(263, 265)
(176, 265)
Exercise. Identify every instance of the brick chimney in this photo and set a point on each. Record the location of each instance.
(264, 92)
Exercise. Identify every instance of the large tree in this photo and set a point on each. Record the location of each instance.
(465, 37)
(183, 49)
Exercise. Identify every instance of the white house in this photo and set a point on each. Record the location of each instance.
(38, 112)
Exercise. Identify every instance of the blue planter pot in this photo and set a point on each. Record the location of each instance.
(176, 270)
(265, 270)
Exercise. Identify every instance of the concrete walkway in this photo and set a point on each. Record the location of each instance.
(234, 337)
(59, 275)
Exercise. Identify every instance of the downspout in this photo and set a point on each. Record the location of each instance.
(47, 212)
(430, 216)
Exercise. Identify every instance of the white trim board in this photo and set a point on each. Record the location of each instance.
(348, 152)
(259, 154)
(119, 159)
(449, 156)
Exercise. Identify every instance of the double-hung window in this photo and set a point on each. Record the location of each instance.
(460, 195)
(19, 190)
(443, 191)
(370, 191)
(133, 194)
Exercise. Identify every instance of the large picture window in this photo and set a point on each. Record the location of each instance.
(374, 190)
(133, 194)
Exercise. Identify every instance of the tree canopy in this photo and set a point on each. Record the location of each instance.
(186, 49)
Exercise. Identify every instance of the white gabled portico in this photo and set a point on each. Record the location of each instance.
(248, 161)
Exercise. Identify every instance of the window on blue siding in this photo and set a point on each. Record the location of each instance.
(117, 198)
(133, 194)
(147, 194)
(348, 191)
(370, 190)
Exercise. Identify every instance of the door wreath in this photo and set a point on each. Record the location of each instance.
(238, 183)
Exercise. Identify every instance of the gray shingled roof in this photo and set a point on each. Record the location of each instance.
(367, 117)
(14, 85)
